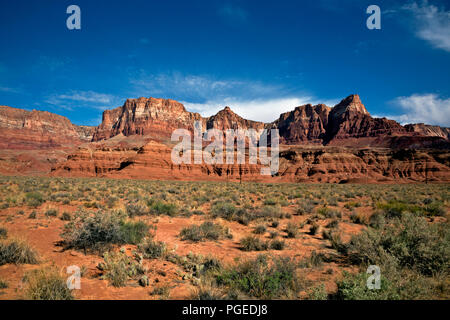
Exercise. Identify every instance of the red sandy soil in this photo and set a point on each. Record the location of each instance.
(43, 234)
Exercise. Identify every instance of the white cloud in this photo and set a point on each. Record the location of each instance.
(201, 88)
(433, 24)
(265, 110)
(426, 108)
(9, 90)
(252, 100)
(91, 99)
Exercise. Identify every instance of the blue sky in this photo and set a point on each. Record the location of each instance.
(259, 57)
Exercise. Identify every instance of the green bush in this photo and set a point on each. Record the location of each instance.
(262, 279)
(161, 208)
(394, 208)
(51, 213)
(205, 231)
(292, 230)
(34, 199)
(133, 232)
(118, 268)
(277, 244)
(252, 243)
(223, 210)
(261, 229)
(66, 216)
(95, 231)
(151, 249)
(409, 241)
(135, 209)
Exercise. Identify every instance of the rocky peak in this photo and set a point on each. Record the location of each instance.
(227, 119)
(350, 104)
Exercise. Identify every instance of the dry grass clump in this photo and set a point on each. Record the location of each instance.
(46, 284)
(17, 251)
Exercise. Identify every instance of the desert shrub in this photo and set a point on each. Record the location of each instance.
(394, 208)
(262, 279)
(352, 204)
(291, 230)
(329, 213)
(274, 224)
(277, 244)
(273, 234)
(3, 284)
(51, 213)
(306, 207)
(151, 249)
(118, 268)
(205, 231)
(111, 201)
(313, 261)
(409, 241)
(434, 209)
(133, 232)
(32, 215)
(260, 229)
(358, 218)
(95, 231)
(18, 252)
(66, 216)
(206, 292)
(251, 243)
(377, 220)
(163, 291)
(314, 229)
(394, 285)
(224, 210)
(162, 208)
(136, 209)
(332, 224)
(34, 199)
(318, 293)
(3, 233)
(46, 284)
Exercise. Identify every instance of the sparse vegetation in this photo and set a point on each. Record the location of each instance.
(401, 228)
(205, 231)
(18, 252)
(46, 284)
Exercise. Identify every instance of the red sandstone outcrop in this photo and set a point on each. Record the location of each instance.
(305, 124)
(157, 117)
(132, 142)
(350, 119)
(428, 130)
(21, 129)
(227, 119)
(297, 164)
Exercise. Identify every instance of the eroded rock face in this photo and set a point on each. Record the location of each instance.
(158, 117)
(428, 130)
(319, 144)
(227, 119)
(297, 164)
(305, 124)
(350, 119)
(21, 129)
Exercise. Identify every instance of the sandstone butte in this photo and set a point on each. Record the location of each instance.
(317, 144)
